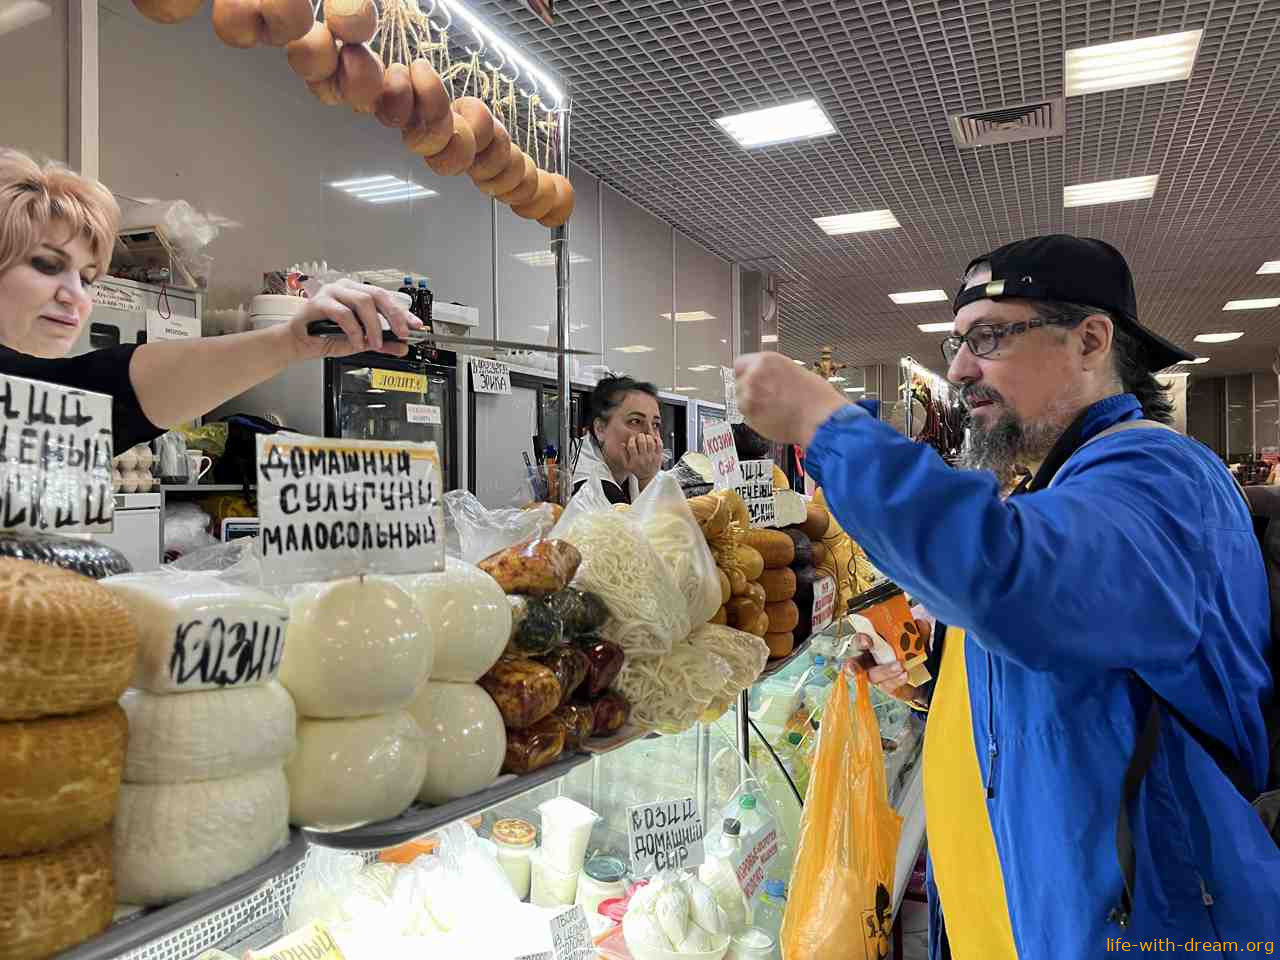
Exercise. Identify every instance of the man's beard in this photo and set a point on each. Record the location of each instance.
(1011, 442)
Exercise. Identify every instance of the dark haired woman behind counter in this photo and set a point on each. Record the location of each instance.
(623, 447)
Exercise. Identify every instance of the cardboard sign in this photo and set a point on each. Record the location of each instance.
(335, 508)
(490, 376)
(753, 855)
(755, 486)
(571, 936)
(401, 381)
(730, 381)
(824, 603)
(422, 413)
(719, 446)
(665, 835)
(172, 327)
(106, 294)
(311, 942)
(55, 458)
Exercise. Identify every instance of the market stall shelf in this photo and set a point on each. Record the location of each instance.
(777, 666)
(159, 923)
(420, 819)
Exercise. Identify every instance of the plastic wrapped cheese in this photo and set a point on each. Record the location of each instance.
(173, 840)
(350, 772)
(207, 735)
(196, 632)
(468, 616)
(355, 648)
(466, 740)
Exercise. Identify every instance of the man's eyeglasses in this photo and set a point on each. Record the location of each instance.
(984, 338)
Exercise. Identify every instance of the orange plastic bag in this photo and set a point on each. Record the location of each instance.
(840, 903)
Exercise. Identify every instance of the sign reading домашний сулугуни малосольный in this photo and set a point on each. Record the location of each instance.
(335, 508)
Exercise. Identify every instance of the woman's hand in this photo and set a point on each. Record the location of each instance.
(642, 456)
(355, 308)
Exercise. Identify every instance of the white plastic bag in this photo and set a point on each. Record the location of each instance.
(483, 532)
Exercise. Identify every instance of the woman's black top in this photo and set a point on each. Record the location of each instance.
(100, 371)
(613, 492)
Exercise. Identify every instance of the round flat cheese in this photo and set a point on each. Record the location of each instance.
(468, 616)
(66, 645)
(355, 648)
(197, 632)
(466, 741)
(53, 900)
(59, 778)
(173, 840)
(350, 772)
(209, 734)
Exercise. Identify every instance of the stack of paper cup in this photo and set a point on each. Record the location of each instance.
(270, 309)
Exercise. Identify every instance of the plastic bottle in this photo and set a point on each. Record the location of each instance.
(408, 287)
(718, 873)
(769, 908)
(422, 302)
(748, 817)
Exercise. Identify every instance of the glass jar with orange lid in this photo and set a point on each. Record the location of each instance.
(515, 841)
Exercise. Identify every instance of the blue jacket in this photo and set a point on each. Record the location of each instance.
(1140, 559)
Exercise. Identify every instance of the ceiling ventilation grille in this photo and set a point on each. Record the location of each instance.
(1030, 121)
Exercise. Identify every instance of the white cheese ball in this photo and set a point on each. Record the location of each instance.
(350, 772)
(355, 648)
(466, 741)
(469, 618)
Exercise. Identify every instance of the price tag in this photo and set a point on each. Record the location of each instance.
(422, 413)
(755, 486)
(571, 936)
(335, 508)
(665, 835)
(55, 458)
(172, 327)
(730, 380)
(106, 294)
(718, 445)
(490, 376)
(824, 603)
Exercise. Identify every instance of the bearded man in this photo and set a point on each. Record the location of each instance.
(1109, 621)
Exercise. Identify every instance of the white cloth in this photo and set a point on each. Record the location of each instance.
(591, 466)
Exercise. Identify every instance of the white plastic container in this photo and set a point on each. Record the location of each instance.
(602, 878)
(549, 887)
(514, 840)
(566, 831)
(271, 309)
(751, 944)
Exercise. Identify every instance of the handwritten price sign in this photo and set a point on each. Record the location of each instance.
(718, 445)
(490, 376)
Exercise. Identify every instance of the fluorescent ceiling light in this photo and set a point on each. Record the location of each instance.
(836, 379)
(1131, 63)
(376, 406)
(1189, 362)
(701, 368)
(855, 389)
(382, 189)
(635, 348)
(689, 316)
(545, 258)
(769, 338)
(787, 122)
(1264, 303)
(685, 389)
(1219, 337)
(919, 296)
(457, 10)
(1271, 266)
(857, 222)
(935, 327)
(1109, 191)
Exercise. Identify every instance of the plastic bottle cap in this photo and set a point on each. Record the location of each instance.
(732, 828)
(819, 661)
(408, 281)
(794, 738)
(748, 802)
(775, 888)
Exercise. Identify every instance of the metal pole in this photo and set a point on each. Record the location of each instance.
(743, 731)
(560, 247)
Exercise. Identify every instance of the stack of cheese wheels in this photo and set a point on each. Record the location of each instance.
(469, 618)
(779, 585)
(745, 609)
(358, 651)
(204, 797)
(67, 649)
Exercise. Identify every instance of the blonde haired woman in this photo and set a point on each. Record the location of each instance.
(57, 231)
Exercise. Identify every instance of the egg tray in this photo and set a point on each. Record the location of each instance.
(420, 819)
(158, 923)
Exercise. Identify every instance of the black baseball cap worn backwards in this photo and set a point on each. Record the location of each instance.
(1077, 270)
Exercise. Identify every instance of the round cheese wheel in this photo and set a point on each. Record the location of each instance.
(755, 593)
(780, 644)
(817, 520)
(526, 189)
(563, 209)
(350, 772)
(774, 545)
(66, 644)
(354, 647)
(493, 159)
(737, 582)
(459, 153)
(173, 840)
(468, 617)
(239, 23)
(778, 585)
(431, 125)
(783, 616)
(51, 901)
(479, 118)
(352, 21)
(395, 104)
(819, 553)
(359, 77)
(207, 735)
(509, 178)
(326, 90)
(803, 547)
(466, 741)
(543, 200)
(742, 612)
(59, 778)
(287, 20)
(726, 590)
(168, 11)
(314, 57)
(751, 562)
